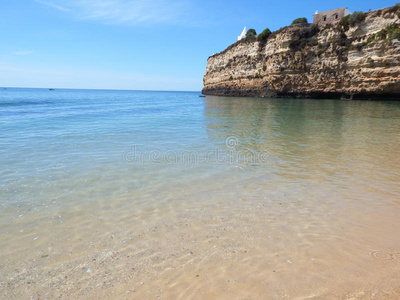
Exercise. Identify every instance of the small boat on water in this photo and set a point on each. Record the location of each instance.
(202, 96)
(51, 89)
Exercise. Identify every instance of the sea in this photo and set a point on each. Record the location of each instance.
(108, 194)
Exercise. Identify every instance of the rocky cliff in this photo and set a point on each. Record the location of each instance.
(357, 61)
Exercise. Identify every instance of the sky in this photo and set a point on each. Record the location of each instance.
(133, 44)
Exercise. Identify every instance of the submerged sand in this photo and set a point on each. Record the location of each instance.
(224, 243)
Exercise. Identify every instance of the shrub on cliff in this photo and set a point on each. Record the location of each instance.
(356, 18)
(353, 19)
(391, 32)
(344, 21)
(251, 33)
(263, 36)
(300, 21)
(305, 37)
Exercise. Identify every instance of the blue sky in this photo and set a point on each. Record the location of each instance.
(133, 44)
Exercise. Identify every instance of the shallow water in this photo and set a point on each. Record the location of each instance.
(129, 194)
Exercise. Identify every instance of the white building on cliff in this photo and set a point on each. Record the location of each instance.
(243, 35)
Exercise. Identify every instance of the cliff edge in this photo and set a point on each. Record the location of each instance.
(358, 61)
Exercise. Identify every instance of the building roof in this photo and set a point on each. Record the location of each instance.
(330, 11)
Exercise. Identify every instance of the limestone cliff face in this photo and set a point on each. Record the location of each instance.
(354, 62)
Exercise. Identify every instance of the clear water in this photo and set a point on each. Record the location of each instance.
(170, 195)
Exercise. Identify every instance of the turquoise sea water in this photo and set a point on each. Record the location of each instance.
(58, 140)
(79, 166)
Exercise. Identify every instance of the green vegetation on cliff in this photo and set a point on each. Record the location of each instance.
(251, 34)
(353, 19)
(300, 21)
(264, 35)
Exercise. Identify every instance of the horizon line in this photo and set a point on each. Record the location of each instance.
(89, 89)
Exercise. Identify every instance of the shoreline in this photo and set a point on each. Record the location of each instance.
(264, 93)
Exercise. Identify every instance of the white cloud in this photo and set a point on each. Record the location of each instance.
(53, 5)
(22, 52)
(124, 11)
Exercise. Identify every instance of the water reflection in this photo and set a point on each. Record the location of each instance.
(337, 141)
